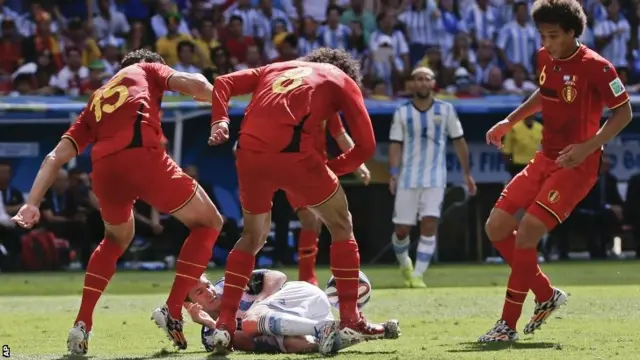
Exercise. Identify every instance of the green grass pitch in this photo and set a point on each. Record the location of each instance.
(601, 321)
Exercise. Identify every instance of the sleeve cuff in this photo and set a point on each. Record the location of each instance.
(73, 141)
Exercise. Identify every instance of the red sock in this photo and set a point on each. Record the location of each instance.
(525, 262)
(236, 277)
(101, 267)
(541, 286)
(307, 252)
(192, 262)
(345, 266)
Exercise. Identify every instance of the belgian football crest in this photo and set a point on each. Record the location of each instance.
(569, 92)
(553, 196)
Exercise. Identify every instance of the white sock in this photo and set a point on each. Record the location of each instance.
(426, 248)
(277, 323)
(401, 248)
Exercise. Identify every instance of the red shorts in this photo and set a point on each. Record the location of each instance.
(305, 178)
(295, 202)
(547, 191)
(148, 174)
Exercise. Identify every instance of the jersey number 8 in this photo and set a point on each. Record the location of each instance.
(291, 79)
(110, 89)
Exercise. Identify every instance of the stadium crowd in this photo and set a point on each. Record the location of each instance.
(475, 47)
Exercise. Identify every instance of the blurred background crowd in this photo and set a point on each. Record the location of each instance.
(475, 47)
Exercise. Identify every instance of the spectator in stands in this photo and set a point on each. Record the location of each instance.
(43, 41)
(254, 59)
(461, 55)
(167, 45)
(385, 34)
(358, 46)
(186, 50)
(358, 13)
(29, 23)
(463, 86)
(433, 60)
(65, 10)
(266, 18)
(22, 85)
(109, 22)
(221, 64)
(334, 34)
(248, 16)
(10, 48)
(287, 46)
(111, 54)
(519, 83)
(196, 15)
(77, 38)
(207, 41)
(486, 61)
(7, 14)
(63, 215)
(97, 77)
(423, 25)
(149, 229)
(481, 20)
(495, 82)
(521, 144)
(160, 23)
(379, 90)
(612, 35)
(12, 200)
(308, 40)
(451, 24)
(69, 79)
(80, 189)
(140, 37)
(237, 42)
(518, 40)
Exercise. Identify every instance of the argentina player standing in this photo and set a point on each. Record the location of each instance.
(417, 159)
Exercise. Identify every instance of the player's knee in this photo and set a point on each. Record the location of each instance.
(530, 230)
(119, 234)
(499, 225)
(341, 227)
(402, 231)
(428, 226)
(251, 242)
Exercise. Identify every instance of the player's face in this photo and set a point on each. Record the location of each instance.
(556, 41)
(204, 295)
(422, 85)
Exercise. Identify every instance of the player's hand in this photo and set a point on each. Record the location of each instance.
(219, 133)
(393, 184)
(573, 155)
(497, 132)
(364, 174)
(27, 216)
(471, 185)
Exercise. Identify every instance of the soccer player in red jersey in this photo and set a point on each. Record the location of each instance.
(129, 162)
(576, 84)
(310, 224)
(277, 150)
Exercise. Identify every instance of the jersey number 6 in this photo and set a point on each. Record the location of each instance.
(110, 89)
(291, 79)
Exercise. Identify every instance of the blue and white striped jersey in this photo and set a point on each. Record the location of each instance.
(620, 31)
(254, 288)
(423, 135)
(519, 43)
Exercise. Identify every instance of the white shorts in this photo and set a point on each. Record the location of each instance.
(299, 298)
(414, 204)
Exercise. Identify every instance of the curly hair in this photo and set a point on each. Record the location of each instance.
(141, 55)
(338, 58)
(567, 14)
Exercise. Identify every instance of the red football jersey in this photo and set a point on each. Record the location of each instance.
(296, 94)
(574, 93)
(124, 112)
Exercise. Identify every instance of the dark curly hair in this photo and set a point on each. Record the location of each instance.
(338, 58)
(141, 55)
(567, 14)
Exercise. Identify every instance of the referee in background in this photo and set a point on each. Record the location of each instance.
(521, 144)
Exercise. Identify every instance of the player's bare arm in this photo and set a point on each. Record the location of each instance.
(345, 143)
(195, 85)
(574, 154)
(395, 156)
(29, 213)
(462, 152)
(528, 108)
(272, 282)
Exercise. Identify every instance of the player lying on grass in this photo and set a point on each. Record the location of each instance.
(274, 315)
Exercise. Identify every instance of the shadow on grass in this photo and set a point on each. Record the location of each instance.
(479, 347)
